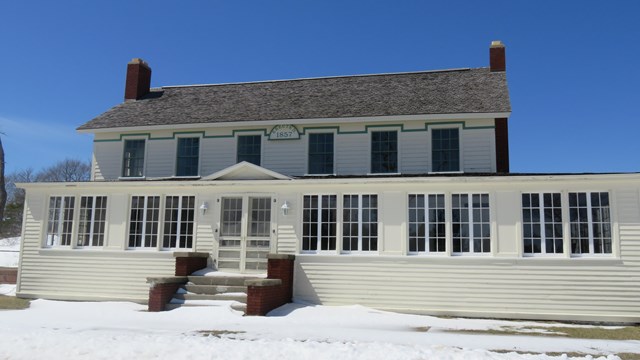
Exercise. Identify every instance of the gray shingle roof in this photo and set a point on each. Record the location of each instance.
(418, 93)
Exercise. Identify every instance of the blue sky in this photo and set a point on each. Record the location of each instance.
(573, 66)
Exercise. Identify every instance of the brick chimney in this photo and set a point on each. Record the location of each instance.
(138, 79)
(497, 61)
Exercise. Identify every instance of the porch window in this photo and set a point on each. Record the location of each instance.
(144, 221)
(590, 223)
(133, 158)
(60, 221)
(542, 223)
(384, 152)
(445, 150)
(179, 216)
(249, 148)
(93, 214)
(470, 223)
(319, 223)
(321, 153)
(188, 156)
(427, 223)
(360, 223)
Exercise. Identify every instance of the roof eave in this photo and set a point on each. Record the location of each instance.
(424, 117)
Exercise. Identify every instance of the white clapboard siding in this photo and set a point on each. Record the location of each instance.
(216, 154)
(478, 150)
(160, 160)
(82, 273)
(107, 160)
(352, 154)
(285, 156)
(415, 152)
(508, 289)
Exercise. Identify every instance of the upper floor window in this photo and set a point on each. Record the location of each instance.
(427, 223)
(188, 156)
(360, 223)
(321, 153)
(249, 148)
(542, 223)
(470, 223)
(590, 223)
(60, 220)
(384, 152)
(93, 215)
(445, 150)
(319, 222)
(133, 158)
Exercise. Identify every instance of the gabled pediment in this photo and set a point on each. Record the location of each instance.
(246, 171)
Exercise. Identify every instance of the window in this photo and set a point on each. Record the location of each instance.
(445, 150)
(590, 223)
(321, 153)
(133, 159)
(542, 223)
(249, 148)
(470, 223)
(384, 152)
(93, 214)
(319, 223)
(60, 222)
(427, 223)
(187, 156)
(144, 221)
(179, 216)
(360, 223)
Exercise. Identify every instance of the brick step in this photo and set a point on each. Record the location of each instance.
(239, 297)
(213, 289)
(220, 280)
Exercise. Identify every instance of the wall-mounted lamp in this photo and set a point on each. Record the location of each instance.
(204, 207)
(285, 208)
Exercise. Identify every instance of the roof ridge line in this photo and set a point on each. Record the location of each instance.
(320, 78)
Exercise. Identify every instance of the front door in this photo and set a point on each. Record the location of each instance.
(245, 233)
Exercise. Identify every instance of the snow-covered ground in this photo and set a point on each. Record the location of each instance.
(9, 252)
(118, 330)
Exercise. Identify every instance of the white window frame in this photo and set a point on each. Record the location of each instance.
(591, 252)
(359, 223)
(161, 229)
(144, 222)
(318, 221)
(543, 223)
(471, 223)
(92, 222)
(144, 160)
(447, 242)
(60, 222)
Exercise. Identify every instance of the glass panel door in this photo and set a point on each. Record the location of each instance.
(230, 245)
(245, 233)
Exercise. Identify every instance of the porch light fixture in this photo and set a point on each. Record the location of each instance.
(285, 208)
(204, 207)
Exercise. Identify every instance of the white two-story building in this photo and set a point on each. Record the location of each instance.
(392, 191)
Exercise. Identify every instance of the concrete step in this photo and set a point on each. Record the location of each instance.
(239, 297)
(220, 280)
(213, 289)
(235, 306)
